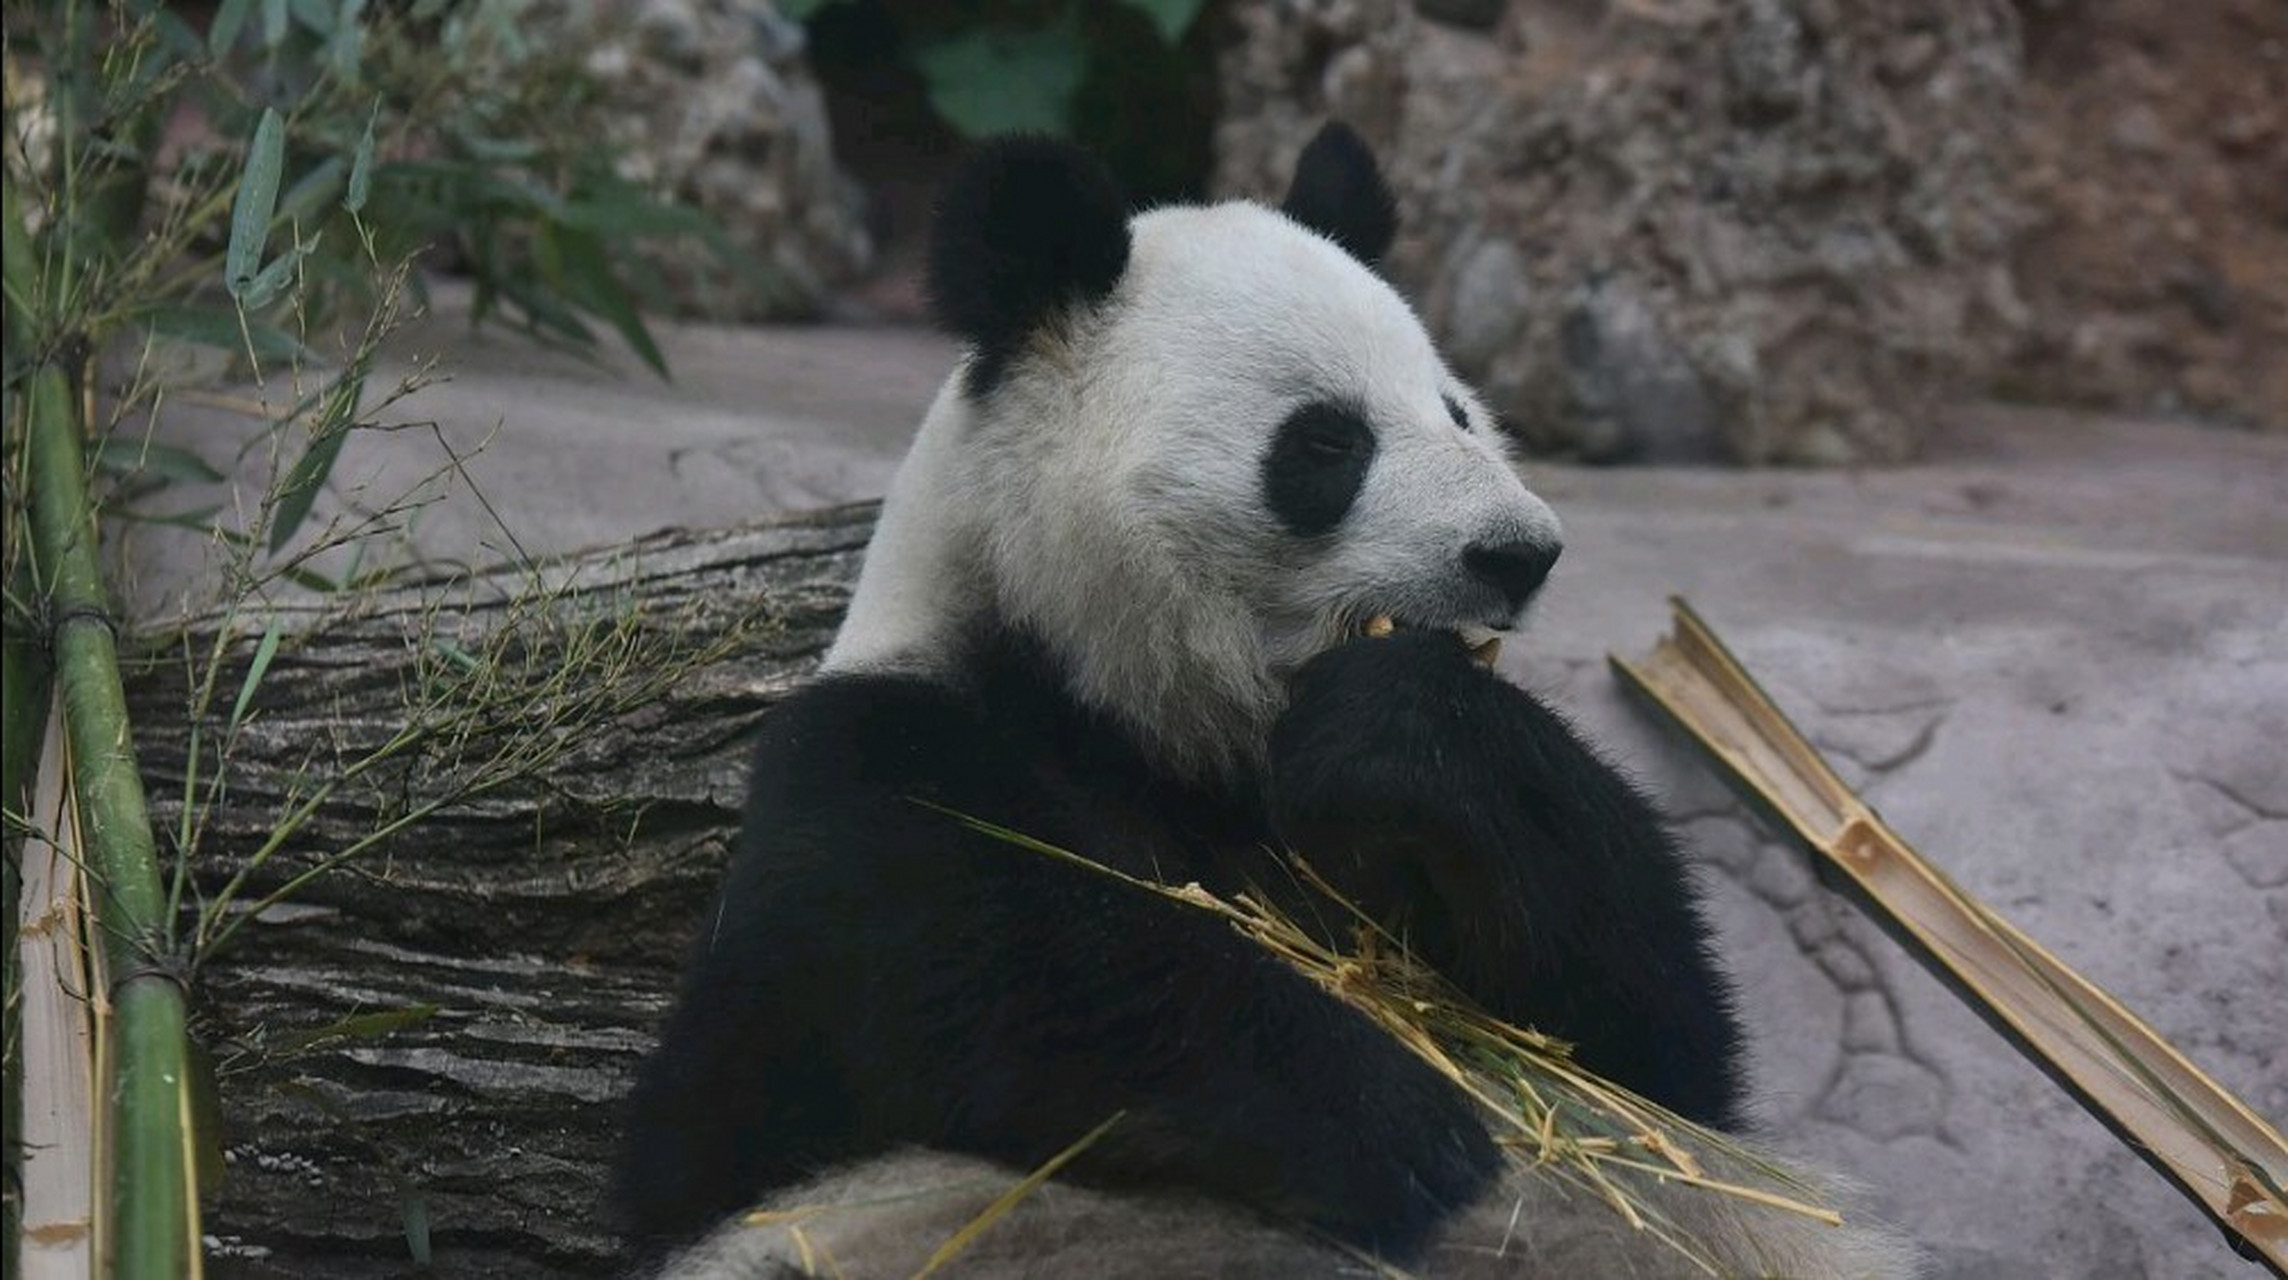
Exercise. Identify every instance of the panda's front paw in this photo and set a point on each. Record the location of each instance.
(1386, 747)
(1402, 720)
(1409, 1151)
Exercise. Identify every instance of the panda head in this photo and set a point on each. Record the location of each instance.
(1187, 450)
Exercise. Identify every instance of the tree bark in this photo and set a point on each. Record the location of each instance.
(543, 920)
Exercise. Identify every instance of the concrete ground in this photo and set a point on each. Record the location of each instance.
(2055, 655)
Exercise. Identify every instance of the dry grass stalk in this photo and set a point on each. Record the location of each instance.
(1553, 1116)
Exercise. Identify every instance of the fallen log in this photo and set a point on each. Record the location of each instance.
(417, 1053)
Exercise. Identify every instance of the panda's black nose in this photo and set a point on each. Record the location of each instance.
(1516, 569)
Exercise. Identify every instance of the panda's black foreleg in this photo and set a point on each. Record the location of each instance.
(879, 975)
(1462, 812)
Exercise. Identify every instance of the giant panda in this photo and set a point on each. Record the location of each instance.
(1126, 597)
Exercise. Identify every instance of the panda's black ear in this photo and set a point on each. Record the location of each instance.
(1026, 226)
(1339, 193)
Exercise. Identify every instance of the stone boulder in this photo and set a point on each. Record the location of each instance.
(712, 101)
(1773, 231)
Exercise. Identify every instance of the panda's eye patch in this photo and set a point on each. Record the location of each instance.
(1454, 411)
(1316, 465)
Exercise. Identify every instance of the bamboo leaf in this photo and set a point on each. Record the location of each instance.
(317, 462)
(198, 520)
(361, 163)
(364, 1026)
(267, 282)
(346, 50)
(623, 209)
(311, 580)
(257, 200)
(317, 15)
(210, 328)
(181, 43)
(273, 23)
(416, 1209)
(588, 275)
(1171, 18)
(255, 670)
(543, 312)
(312, 192)
(132, 457)
(229, 20)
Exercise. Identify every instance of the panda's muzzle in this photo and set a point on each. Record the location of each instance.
(1516, 568)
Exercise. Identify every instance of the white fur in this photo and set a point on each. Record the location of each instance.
(1108, 495)
(887, 1216)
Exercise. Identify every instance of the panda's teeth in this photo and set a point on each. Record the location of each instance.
(1484, 643)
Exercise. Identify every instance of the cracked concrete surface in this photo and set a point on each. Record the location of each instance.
(2055, 656)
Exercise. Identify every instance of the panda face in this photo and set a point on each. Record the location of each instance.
(1279, 421)
(1187, 451)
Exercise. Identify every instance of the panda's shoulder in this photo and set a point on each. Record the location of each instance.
(874, 734)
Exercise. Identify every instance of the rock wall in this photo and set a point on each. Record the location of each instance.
(1773, 231)
(712, 100)
(2156, 271)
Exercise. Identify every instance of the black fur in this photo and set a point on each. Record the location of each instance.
(1338, 191)
(1026, 227)
(876, 974)
(1462, 811)
(1316, 465)
(1454, 411)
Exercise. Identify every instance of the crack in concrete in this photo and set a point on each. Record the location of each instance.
(1924, 703)
(1910, 753)
(2261, 812)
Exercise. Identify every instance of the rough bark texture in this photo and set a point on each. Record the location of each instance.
(543, 920)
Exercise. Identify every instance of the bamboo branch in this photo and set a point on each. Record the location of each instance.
(152, 1215)
(2189, 1128)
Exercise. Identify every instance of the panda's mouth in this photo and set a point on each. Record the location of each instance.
(1483, 642)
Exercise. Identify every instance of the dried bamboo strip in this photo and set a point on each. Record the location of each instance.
(58, 1019)
(2191, 1129)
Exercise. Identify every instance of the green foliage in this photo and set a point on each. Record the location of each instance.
(342, 139)
(1018, 65)
(246, 187)
(987, 80)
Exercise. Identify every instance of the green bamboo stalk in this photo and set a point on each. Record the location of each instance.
(152, 1211)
